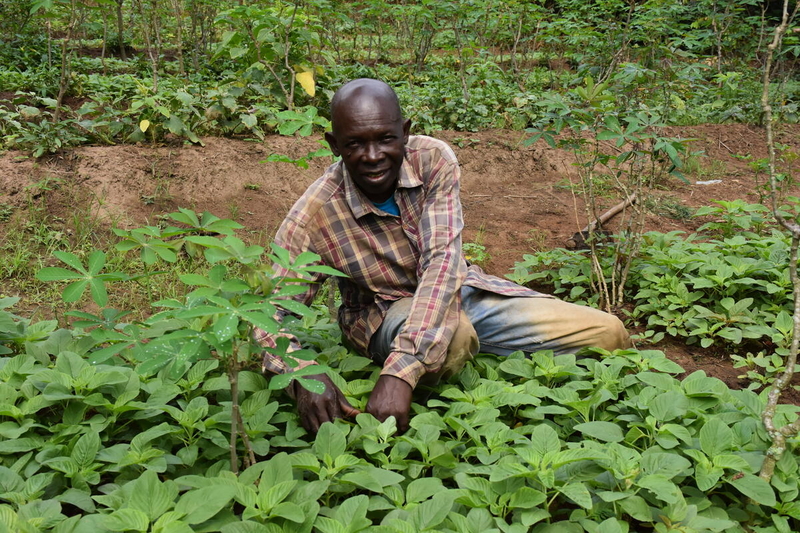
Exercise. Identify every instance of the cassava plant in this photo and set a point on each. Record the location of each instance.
(618, 153)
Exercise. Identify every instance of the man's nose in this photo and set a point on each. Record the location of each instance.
(373, 152)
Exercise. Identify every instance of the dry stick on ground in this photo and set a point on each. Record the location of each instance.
(780, 434)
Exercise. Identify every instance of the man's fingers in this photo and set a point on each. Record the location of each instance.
(332, 411)
(402, 425)
(311, 420)
(348, 411)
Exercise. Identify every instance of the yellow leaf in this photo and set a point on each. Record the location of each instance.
(143, 125)
(306, 80)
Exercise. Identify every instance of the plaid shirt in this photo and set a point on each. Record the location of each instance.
(386, 257)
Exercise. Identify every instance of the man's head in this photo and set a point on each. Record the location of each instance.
(369, 133)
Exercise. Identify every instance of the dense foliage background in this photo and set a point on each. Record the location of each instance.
(78, 72)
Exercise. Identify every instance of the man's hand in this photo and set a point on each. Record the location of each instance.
(315, 409)
(391, 397)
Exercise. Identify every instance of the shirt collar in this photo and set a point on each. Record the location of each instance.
(360, 205)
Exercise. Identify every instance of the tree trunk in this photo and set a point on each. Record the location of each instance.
(120, 32)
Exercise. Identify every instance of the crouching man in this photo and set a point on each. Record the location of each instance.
(388, 215)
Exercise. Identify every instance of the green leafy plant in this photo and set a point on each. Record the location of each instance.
(704, 288)
(218, 316)
(641, 159)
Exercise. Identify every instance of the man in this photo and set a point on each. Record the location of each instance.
(388, 215)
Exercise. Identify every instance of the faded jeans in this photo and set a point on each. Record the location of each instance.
(492, 323)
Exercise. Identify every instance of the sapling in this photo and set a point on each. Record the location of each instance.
(216, 319)
(779, 435)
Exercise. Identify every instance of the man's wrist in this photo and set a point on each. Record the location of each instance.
(404, 366)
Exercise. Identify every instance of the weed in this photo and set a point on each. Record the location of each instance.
(6, 210)
(537, 239)
(713, 169)
(233, 210)
(475, 252)
(669, 206)
(463, 142)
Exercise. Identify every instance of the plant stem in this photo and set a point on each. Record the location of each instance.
(233, 379)
(250, 458)
(779, 435)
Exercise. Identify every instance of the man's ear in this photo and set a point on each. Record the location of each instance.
(406, 129)
(331, 140)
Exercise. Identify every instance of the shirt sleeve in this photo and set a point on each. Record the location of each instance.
(421, 346)
(295, 240)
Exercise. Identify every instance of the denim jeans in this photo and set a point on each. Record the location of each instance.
(505, 324)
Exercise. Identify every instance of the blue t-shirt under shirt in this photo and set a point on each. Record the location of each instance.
(390, 206)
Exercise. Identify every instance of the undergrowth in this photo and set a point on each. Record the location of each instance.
(728, 284)
(168, 425)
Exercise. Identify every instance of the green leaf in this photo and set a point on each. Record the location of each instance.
(661, 487)
(431, 513)
(612, 525)
(422, 489)
(371, 478)
(247, 526)
(604, 431)
(665, 464)
(715, 437)
(201, 504)
(151, 496)
(544, 439)
(277, 470)
(271, 495)
(71, 260)
(74, 291)
(57, 274)
(86, 449)
(669, 405)
(175, 125)
(10, 446)
(97, 260)
(330, 441)
(290, 511)
(637, 508)
(226, 326)
(578, 493)
(730, 461)
(97, 289)
(526, 498)
(127, 520)
(756, 489)
(352, 510)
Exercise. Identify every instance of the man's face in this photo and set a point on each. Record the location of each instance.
(370, 136)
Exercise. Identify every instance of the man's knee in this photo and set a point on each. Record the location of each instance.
(462, 348)
(610, 333)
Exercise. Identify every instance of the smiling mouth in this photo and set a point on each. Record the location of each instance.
(374, 175)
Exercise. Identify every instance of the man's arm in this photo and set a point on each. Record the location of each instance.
(314, 409)
(421, 346)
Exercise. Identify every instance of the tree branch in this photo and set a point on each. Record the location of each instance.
(779, 435)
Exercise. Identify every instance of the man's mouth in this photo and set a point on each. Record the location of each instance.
(374, 176)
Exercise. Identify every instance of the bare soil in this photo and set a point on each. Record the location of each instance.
(516, 199)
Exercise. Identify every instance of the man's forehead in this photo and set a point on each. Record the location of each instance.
(369, 105)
